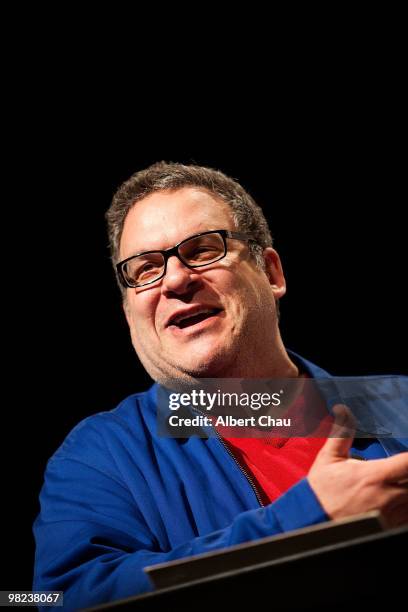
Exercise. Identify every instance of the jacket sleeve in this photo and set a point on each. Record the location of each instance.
(93, 541)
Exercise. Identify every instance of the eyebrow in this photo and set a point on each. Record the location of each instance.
(197, 233)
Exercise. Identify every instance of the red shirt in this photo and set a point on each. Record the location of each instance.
(276, 464)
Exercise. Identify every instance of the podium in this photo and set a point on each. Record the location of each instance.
(350, 564)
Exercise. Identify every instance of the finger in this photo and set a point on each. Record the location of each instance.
(394, 469)
(342, 433)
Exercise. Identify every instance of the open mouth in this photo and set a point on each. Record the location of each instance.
(182, 322)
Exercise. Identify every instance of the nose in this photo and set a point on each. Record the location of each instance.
(178, 278)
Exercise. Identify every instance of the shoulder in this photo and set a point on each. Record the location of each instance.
(101, 434)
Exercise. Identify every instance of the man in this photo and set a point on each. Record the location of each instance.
(201, 284)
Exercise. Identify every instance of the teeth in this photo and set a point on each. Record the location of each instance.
(181, 318)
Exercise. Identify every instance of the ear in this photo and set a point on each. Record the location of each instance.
(274, 272)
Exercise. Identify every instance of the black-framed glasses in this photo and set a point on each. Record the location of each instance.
(194, 252)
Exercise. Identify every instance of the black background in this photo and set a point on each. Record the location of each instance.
(332, 187)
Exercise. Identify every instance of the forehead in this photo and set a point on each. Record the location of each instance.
(166, 217)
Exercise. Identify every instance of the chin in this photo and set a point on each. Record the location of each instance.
(208, 364)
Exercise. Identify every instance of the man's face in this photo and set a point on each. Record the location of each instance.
(241, 327)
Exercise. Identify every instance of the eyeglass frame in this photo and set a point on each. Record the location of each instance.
(174, 251)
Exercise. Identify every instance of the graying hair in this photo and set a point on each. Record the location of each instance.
(248, 216)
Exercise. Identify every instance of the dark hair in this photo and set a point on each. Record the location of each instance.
(161, 176)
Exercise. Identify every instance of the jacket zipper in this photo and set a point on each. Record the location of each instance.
(243, 470)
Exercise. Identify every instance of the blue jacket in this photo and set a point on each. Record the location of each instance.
(117, 498)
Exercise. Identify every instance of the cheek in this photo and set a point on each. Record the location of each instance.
(247, 295)
(237, 300)
(143, 310)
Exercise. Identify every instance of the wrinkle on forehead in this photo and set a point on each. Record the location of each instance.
(164, 218)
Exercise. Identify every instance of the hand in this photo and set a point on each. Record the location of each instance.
(347, 486)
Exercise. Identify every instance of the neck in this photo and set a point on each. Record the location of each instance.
(276, 364)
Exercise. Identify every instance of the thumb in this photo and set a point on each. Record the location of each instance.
(342, 433)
